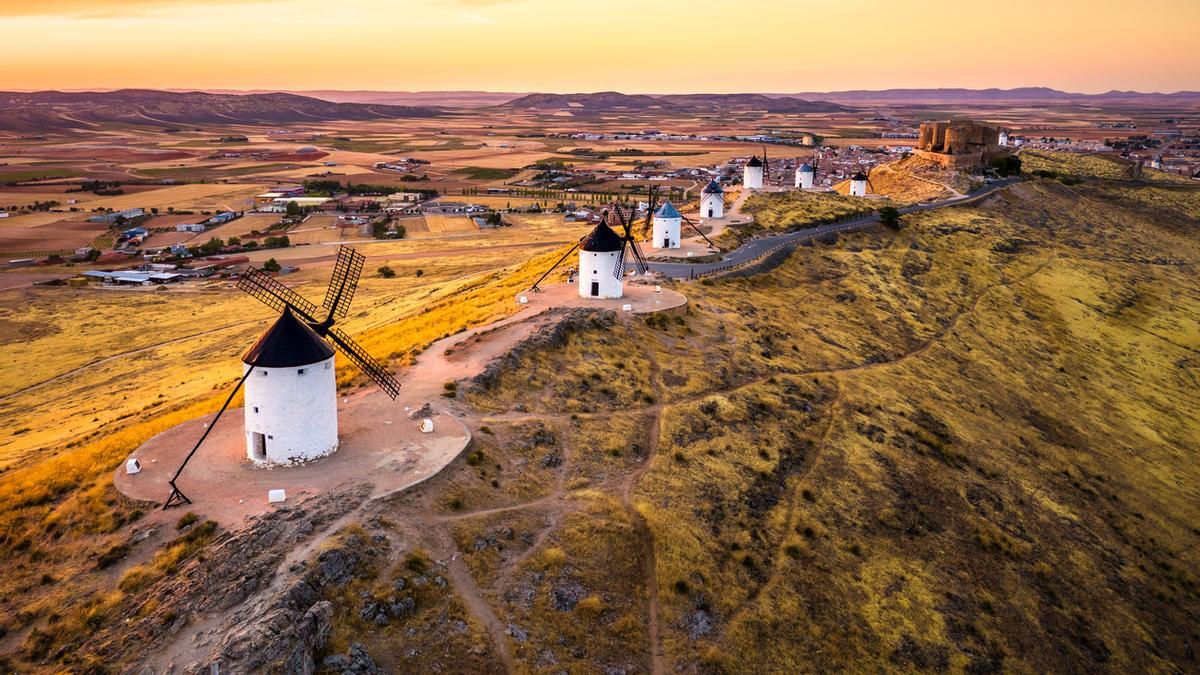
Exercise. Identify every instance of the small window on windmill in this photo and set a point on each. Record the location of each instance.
(328, 365)
(299, 371)
(263, 373)
(255, 408)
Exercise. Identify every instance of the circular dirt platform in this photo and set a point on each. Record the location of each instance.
(642, 296)
(378, 443)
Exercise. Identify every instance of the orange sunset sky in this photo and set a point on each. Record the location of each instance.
(629, 45)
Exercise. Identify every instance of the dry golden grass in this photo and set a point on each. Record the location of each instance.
(906, 437)
(793, 210)
(1080, 165)
(439, 224)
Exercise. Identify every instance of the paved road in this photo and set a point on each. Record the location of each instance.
(755, 248)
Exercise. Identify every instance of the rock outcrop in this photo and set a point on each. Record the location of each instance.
(556, 335)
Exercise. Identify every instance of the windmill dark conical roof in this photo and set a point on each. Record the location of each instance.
(754, 161)
(288, 343)
(859, 176)
(602, 239)
(713, 188)
(806, 168)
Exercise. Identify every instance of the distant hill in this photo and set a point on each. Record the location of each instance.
(773, 104)
(451, 99)
(599, 101)
(56, 110)
(614, 101)
(962, 95)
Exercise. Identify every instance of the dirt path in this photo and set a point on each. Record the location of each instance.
(776, 568)
(442, 543)
(650, 571)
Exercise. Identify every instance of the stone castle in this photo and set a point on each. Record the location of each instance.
(959, 143)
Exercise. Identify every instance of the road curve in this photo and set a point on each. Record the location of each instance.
(754, 249)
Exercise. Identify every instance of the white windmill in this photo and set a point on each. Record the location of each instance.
(667, 223)
(602, 257)
(859, 183)
(712, 200)
(752, 174)
(289, 375)
(806, 174)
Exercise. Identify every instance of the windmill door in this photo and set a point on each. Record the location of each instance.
(260, 446)
(667, 242)
(710, 212)
(595, 289)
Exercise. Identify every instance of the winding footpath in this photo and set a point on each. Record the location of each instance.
(757, 248)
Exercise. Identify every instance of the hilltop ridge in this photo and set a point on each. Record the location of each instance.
(53, 110)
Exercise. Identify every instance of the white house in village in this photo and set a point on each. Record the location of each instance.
(291, 395)
(666, 226)
(712, 200)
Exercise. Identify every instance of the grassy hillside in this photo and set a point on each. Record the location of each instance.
(967, 445)
(793, 210)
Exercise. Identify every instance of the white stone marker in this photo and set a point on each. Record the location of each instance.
(275, 496)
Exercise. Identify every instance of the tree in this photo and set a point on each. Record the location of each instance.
(234, 241)
(890, 217)
(293, 209)
(210, 247)
(387, 272)
(420, 273)
(1007, 166)
(271, 265)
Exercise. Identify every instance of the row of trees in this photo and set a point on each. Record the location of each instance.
(216, 244)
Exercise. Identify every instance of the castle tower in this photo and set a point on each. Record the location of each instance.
(712, 200)
(599, 256)
(667, 223)
(752, 175)
(291, 397)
